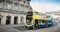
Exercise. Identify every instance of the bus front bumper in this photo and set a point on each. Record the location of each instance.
(29, 27)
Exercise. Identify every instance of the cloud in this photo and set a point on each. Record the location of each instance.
(44, 7)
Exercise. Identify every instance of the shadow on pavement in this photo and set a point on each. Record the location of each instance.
(20, 28)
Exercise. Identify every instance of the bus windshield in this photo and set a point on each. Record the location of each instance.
(29, 17)
(28, 20)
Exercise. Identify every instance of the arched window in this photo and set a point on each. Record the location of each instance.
(8, 19)
(15, 20)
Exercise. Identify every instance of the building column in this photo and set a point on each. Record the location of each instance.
(19, 19)
(12, 6)
(12, 20)
(3, 20)
(4, 4)
(24, 19)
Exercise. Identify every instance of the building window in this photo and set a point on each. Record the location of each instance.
(27, 6)
(2, 0)
(9, 1)
(16, 3)
(26, 9)
(22, 8)
(22, 18)
(0, 5)
(15, 7)
(28, 0)
(8, 6)
(24, 1)
(19, 8)
(28, 3)
(21, 4)
(19, 0)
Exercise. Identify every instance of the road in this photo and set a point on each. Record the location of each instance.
(49, 29)
(23, 29)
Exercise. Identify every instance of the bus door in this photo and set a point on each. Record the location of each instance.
(36, 23)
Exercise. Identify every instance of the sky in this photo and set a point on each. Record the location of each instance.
(45, 5)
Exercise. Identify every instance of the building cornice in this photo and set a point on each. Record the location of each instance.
(13, 12)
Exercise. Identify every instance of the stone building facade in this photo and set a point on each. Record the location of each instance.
(13, 11)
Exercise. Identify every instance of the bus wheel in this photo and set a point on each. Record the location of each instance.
(39, 26)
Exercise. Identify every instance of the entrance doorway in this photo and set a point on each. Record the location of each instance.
(15, 20)
(0, 21)
(8, 19)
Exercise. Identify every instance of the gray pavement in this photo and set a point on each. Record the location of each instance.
(50, 29)
(21, 28)
(7, 29)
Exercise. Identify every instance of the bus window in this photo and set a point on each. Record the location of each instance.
(43, 21)
(39, 22)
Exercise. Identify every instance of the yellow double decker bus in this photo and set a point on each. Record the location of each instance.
(37, 20)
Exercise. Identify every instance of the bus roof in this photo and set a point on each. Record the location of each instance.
(39, 12)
